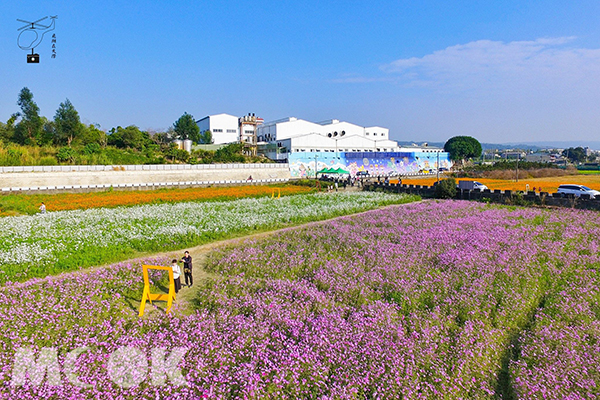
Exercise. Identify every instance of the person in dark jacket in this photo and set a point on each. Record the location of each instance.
(187, 269)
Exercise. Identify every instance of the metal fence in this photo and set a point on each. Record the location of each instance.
(140, 185)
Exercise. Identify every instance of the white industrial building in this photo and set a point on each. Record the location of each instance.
(224, 127)
(278, 139)
(293, 135)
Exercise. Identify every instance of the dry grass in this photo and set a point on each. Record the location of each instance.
(529, 174)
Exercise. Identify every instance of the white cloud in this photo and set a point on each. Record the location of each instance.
(546, 63)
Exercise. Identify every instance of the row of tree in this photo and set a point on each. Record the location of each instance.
(576, 154)
(28, 127)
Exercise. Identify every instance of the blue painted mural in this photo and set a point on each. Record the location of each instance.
(302, 165)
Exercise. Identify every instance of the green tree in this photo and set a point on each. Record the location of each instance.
(48, 131)
(67, 123)
(130, 137)
(29, 130)
(7, 131)
(462, 147)
(206, 137)
(92, 134)
(230, 153)
(186, 128)
(575, 154)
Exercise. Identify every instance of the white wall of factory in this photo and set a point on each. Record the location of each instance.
(296, 135)
(224, 127)
(290, 127)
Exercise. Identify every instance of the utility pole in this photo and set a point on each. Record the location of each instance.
(438, 166)
(518, 167)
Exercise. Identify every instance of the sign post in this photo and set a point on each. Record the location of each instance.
(168, 297)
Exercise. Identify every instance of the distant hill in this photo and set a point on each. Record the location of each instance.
(594, 145)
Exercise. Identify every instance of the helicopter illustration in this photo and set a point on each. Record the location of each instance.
(32, 35)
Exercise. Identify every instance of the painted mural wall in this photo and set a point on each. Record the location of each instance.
(302, 165)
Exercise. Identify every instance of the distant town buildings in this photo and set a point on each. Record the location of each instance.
(541, 157)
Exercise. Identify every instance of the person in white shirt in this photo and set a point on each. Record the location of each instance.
(43, 209)
(176, 275)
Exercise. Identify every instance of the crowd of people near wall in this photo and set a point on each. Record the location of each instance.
(351, 181)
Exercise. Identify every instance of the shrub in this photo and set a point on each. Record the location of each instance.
(446, 189)
(48, 160)
(91, 148)
(65, 154)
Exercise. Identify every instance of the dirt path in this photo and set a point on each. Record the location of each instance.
(200, 253)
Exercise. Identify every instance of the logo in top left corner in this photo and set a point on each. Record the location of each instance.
(32, 34)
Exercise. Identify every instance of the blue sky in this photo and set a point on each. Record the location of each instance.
(501, 71)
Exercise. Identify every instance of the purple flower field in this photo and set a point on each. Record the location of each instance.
(422, 301)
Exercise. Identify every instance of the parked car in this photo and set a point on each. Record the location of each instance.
(577, 190)
(471, 185)
(362, 173)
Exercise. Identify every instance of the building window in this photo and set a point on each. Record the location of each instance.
(231, 131)
(249, 132)
(374, 134)
(217, 130)
(367, 133)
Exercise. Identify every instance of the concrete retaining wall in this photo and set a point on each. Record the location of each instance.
(153, 167)
(86, 178)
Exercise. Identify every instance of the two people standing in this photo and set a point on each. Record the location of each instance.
(187, 271)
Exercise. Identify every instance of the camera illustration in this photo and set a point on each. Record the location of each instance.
(33, 58)
(31, 35)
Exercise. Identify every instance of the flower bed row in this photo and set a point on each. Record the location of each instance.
(549, 185)
(468, 301)
(29, 204)
(35, 246)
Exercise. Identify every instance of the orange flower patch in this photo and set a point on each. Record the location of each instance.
(79, 201)
(549, 184)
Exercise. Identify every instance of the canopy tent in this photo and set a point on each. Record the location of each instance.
(326, 171)
(340, 171)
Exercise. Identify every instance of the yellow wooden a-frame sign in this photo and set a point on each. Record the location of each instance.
(278, 195)
(168, 297)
